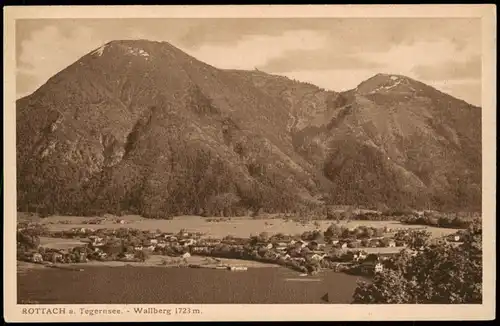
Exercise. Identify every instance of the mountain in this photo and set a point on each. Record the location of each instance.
(142, 127)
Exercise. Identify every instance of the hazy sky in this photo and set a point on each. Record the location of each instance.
(334, 53)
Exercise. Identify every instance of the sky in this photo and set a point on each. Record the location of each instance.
(333, 53)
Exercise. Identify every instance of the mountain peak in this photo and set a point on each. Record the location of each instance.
(139, 47)
(382, 83)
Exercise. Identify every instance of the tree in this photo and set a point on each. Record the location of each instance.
(345, 233)
(333, 232)
(418, 239)
(436, 274)
(336, 254)
(263, 236)
(142, 255)
(369, 232)
(378, 232)
(385, 242)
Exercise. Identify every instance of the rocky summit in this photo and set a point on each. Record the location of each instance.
(141, 127)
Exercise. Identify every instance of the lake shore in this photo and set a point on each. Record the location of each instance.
(153, 261)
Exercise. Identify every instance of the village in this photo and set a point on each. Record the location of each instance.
(358, 249)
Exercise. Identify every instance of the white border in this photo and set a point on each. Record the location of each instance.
(277, 312)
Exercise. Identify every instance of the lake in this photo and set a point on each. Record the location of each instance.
(156, 285)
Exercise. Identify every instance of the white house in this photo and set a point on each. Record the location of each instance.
(344, 245)
(188, 242)
(317, 257)
(153, 241)
(379, 267)
(186, 255)
(129, 255)
(392, 243)
(37, 258)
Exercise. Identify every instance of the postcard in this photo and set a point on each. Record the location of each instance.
(244, 163)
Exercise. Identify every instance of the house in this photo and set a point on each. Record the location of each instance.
(400, 243)
(151, 247)
(265, 245)
(302, 243)
(188, 242)
(98, 242)
(129, 256)
(344, 245)
(275, 255)
(313, 245)
(154, 241)
(292, 242)
(392, 243)
(82, 257)
(317, 257)
(37, 258)
(199, 249)
(334, 242)
(161, 245)
(186, 255)
(378, 268)
(287, 256)
(238, 268)
(360, 255)
(455, 238)
(281, 248)
(139, 248)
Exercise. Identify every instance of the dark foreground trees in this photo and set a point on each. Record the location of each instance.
(436, 274)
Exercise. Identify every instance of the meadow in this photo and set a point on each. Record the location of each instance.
(235, 226)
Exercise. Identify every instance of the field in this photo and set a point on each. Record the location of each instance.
(236, 226)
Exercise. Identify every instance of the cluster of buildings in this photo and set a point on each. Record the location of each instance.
(293, 251)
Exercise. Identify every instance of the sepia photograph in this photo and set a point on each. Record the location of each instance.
(212, 157)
